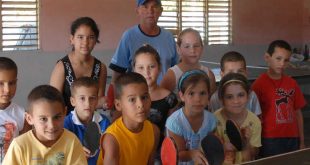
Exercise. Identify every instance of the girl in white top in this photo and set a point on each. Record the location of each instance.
(190, 49)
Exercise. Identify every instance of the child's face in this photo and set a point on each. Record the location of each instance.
(195, 98)
(84, 40)
(235, 98)
(278, 61)
(147, 66)
(47, 119)
(85, 100)
(190, 49)
(134, 103)
(8, 82)
(234, 67)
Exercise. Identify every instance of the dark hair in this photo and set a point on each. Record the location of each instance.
(83, 82)
(7, 64)
(191, 78)
(46, 93)
(148, 49)
(280, 44)
(232, 56)
(88, 22)
(232, 78)
(126, 79)
(188, 30)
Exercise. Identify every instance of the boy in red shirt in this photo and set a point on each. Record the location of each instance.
(281, 101)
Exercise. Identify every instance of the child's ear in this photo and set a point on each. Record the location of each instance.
(246, 72)
(28, 118)
(71, 39)
(117, 104)
(221, 73)
(178, 49)
(181, 96)
(137, 10)
(65, 109)
(72, 100)
(221, 101)
(266, 57)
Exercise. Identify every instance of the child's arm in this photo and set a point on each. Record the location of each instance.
(156, 141)
(102, 80)
(187, 155)
(300, 124)
(229, 153)
(87, 152)
(168, 81)
(110, 150)
(102, 100)
(58, 76)
(248, 152)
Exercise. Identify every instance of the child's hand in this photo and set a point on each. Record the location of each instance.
(228, 147)
(230, 153)
(246, 133)
(229, 157)
(87, 152)
(198, 157)
(102, 103)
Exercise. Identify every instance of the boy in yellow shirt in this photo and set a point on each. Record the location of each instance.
(129, 139)
(48, 142)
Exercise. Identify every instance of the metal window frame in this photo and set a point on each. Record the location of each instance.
(204, 30)
(24, 34)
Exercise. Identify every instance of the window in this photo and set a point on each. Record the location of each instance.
(19, 25)
(212, 18)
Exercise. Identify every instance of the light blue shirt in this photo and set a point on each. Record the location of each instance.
(179, 125)
(134, 38)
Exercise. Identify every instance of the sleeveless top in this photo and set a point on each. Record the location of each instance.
(70, 77)
(134, 148)
(160, 108)
(159, 113)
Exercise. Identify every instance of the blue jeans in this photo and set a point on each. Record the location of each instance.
(274, 146)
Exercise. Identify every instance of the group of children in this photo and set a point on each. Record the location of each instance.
(268, 116)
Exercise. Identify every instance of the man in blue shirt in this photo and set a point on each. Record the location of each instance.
(147, 32)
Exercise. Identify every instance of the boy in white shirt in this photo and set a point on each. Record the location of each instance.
(12, 116)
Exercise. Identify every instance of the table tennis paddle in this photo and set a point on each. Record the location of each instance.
(110, 96)
(213, 149)
(92, 137)
(234, 134)
(169, 152)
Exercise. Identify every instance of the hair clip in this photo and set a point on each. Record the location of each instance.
(187, 74)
